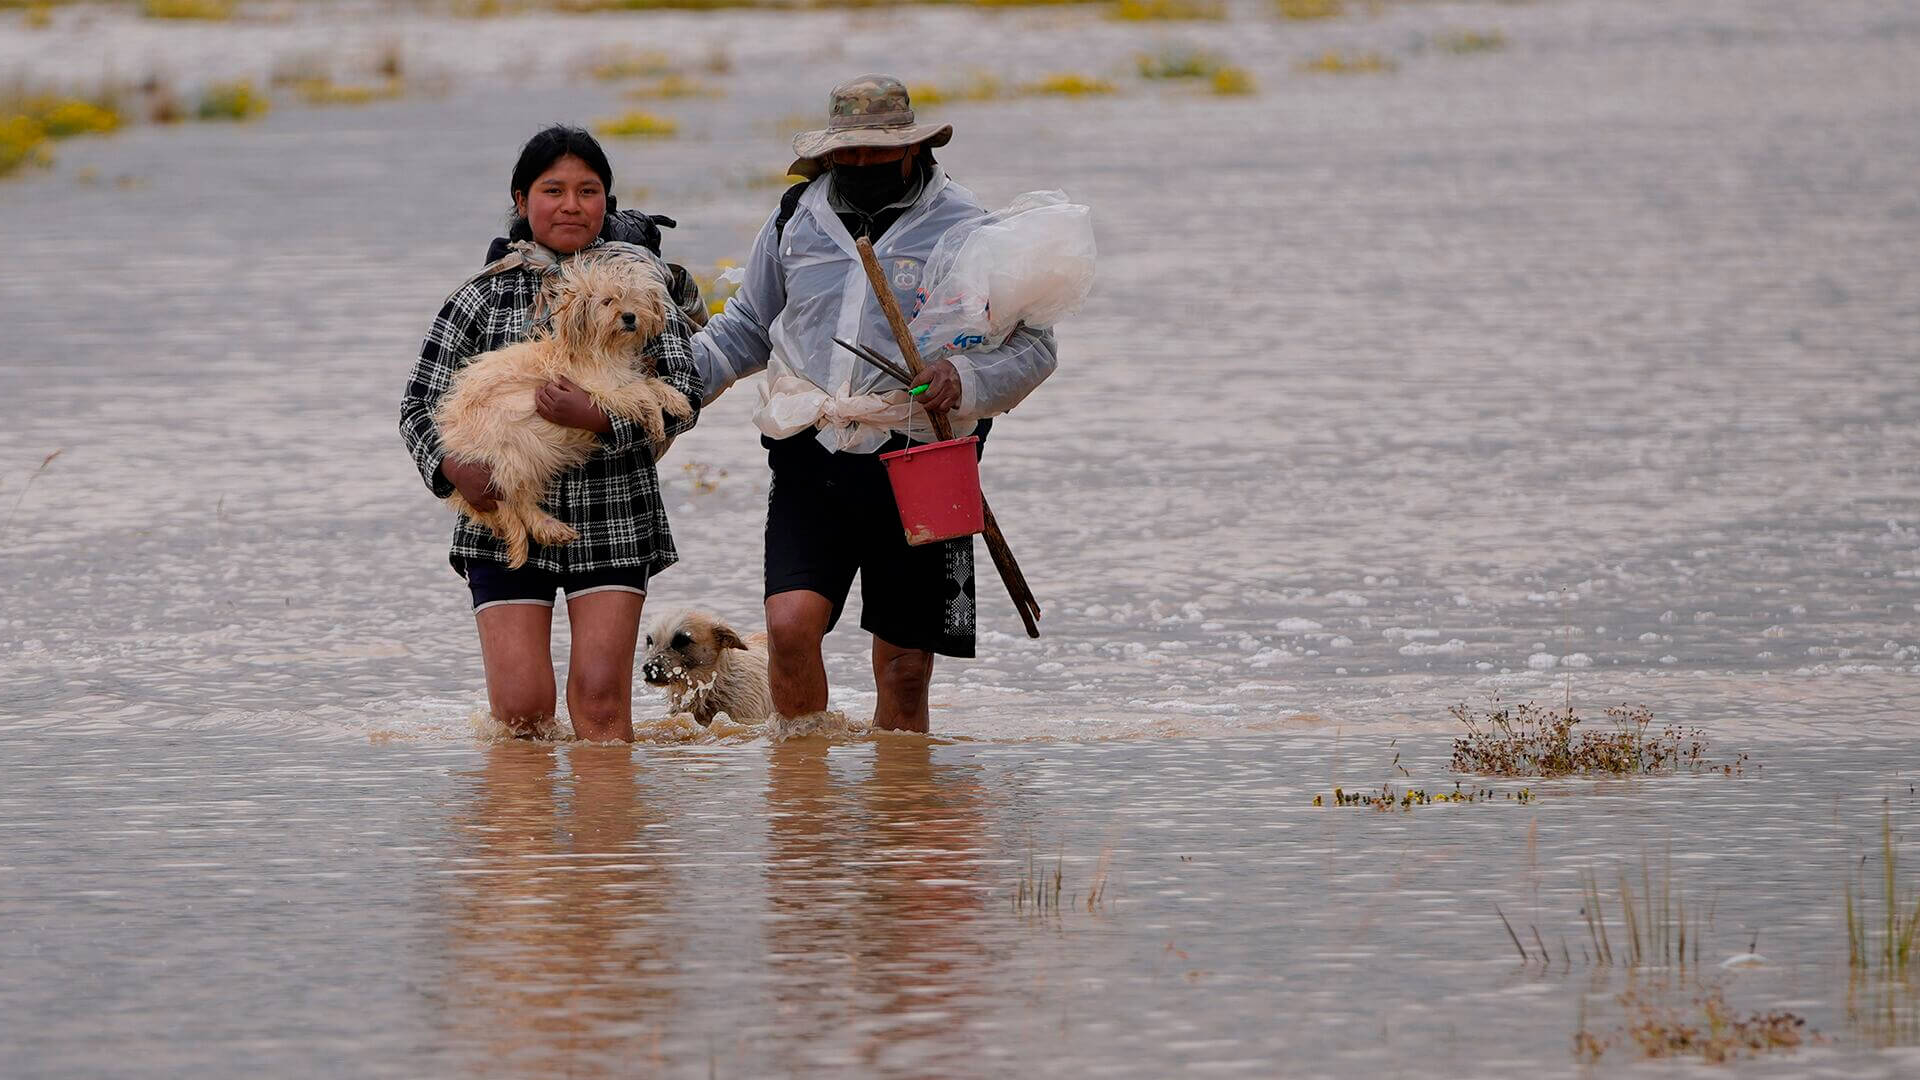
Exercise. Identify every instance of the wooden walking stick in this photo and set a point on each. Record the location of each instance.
(1010, 575)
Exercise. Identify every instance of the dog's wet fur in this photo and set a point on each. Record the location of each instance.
(707, 667)
(605, 310)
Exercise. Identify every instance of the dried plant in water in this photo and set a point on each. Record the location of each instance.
(1532, 740)
(1389, 799)
(1709, 1029)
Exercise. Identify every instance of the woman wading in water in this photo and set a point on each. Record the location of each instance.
(561, 202)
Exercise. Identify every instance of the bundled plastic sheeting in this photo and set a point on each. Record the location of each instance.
(1031, 263)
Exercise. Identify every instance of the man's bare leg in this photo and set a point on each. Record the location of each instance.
(902, 676)
(796, 672)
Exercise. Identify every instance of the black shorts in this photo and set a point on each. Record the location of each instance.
(492, 583)
(831, 516)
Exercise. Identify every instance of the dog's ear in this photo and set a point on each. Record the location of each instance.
(653, 302)
(574, 305)
(725, 638)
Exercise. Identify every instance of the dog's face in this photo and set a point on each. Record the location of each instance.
(611, 303)
(684, 648)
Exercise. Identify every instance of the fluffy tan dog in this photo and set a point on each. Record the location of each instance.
(605, 310)
(707, 668)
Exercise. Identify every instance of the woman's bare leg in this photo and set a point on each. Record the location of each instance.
(516, 643)
(606, 627)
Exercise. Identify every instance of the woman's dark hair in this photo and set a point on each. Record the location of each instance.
(539, 155)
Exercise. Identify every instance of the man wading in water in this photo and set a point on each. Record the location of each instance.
(828, 415)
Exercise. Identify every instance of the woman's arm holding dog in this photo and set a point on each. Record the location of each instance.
(672, 354)
(451, 340)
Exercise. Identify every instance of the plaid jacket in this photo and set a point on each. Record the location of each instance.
(614, 498)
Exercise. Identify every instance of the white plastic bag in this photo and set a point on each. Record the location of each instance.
(1031, 263)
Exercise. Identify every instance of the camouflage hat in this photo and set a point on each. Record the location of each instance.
(872, 110)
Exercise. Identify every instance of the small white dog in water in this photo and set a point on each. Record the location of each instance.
(707, 668)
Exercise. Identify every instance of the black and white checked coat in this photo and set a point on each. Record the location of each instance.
(614, 498)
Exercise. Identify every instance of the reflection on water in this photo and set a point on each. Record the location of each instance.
(232, 906)
(558, 964)
(873, 892)
(569, 901)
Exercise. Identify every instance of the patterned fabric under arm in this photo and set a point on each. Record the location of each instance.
(449, 341)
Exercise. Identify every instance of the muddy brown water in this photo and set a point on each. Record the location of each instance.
(1589, 359)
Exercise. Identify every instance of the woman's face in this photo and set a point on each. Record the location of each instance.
(565, 206)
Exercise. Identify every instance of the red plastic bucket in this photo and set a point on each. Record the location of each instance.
(937, 487)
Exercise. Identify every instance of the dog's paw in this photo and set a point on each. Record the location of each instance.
(655, 426)
(674, 403)
(553, 532)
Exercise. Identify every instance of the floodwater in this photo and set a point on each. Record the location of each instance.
(1581, 366)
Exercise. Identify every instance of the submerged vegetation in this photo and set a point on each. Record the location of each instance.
(1531, 740)
(981, 86)
(1070, 84)
(1707, 1028)
(209, 10)
(1651, 928)
(1655, 931)
(1169, 10)
(480, 9)
(1389, 799)
(1308, 9)
(232, 101)
(22, 143)
(638, 124)
(31, 122)
(1336, 62)
(1462, 42)
(328, 92)
(673, 86)
(1232, 82)
(613, 65)
(1178, 63)
(63, 118)
(1039, 891)
(1882, 944)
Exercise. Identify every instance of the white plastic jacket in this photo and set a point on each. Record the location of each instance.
(805, 286)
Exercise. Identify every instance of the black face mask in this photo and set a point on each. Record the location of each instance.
(870, 187)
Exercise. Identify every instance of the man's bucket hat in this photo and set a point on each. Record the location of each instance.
(872, 110)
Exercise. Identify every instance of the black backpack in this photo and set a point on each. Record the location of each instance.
(640, 230)
(789, 203)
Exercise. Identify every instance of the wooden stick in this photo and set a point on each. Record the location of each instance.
(893, 370)
(1003, 561)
